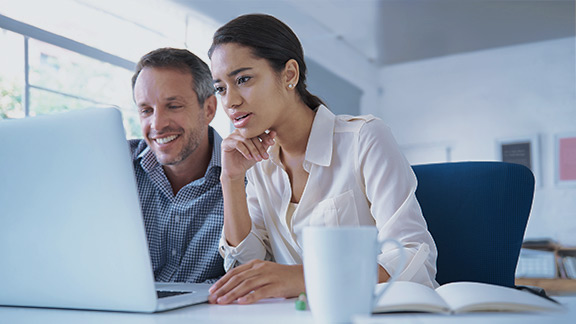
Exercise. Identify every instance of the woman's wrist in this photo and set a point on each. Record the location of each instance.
(231, 179)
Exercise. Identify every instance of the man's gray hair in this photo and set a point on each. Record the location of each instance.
(184, 61)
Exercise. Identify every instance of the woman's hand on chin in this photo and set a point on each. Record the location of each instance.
(239, 153)
(257, 280)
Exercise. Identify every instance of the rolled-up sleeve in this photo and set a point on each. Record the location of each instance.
(390, 187)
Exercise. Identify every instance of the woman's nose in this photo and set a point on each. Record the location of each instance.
(231, 99)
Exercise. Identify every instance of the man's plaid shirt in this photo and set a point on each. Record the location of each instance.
(183, 230)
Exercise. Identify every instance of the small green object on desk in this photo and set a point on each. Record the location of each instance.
(301, 302)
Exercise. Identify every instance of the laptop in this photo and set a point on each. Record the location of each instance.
(71, 229)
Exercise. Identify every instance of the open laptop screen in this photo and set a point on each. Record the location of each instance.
(71, 231)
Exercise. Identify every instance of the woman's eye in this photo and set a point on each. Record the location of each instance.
(243, 79)
(219, 90)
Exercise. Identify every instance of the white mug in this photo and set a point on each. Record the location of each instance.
(341, 271)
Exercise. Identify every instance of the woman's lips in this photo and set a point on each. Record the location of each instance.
(241, 119)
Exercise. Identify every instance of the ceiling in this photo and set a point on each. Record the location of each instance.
(351, 38)
(386, 32)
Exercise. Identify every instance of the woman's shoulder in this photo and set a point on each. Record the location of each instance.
(362, 123)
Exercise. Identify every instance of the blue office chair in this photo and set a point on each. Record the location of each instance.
(477, 213)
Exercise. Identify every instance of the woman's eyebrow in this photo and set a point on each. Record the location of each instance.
(233, 73)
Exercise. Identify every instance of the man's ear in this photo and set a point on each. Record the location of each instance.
(210, 105)
(291, 74)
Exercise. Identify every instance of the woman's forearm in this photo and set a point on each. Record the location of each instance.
(237, 222)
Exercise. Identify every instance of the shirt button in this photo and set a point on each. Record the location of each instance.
(174, 252)
(177, 218)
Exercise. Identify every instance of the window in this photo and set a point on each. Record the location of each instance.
(62, 80)
(43, 73)
(11, 75)
(38, 78)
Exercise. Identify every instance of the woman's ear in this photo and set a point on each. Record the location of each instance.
(291, 74)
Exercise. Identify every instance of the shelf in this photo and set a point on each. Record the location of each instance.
(552, 286)
(561, 255)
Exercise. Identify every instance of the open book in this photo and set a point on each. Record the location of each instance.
(459, 297)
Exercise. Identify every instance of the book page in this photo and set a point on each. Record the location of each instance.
(405, 296)
(475, 296)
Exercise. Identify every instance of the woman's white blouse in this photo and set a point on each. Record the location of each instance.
(357, 176)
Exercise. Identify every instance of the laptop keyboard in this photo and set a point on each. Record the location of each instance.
(163, 294)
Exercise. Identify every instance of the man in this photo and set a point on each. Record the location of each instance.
(177, 165)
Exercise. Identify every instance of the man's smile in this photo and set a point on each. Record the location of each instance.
(164, 140)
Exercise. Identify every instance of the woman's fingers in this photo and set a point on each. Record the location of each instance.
(256, 280)
(230, 281)
(268, 138)
(260, 144)
(240, 288)
(218, 284)
(259, 148)
(262, 292)
(251, 148)
(235, 142)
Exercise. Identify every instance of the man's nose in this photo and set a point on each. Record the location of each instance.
(159, 120)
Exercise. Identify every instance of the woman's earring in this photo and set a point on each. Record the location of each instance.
(290, 86)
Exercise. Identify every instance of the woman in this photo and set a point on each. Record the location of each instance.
(304, 166)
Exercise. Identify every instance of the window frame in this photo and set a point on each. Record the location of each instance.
(29, 31)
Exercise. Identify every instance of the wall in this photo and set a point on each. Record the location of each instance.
(341, 96)
(457, 108)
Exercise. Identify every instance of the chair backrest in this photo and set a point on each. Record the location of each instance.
(477, 214)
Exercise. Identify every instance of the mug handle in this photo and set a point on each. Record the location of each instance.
(396, 273)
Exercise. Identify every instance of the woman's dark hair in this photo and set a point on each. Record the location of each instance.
(269, 39)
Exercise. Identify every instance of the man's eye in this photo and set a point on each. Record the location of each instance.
(174, 106)
(145, 111)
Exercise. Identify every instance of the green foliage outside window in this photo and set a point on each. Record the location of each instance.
(10, 99)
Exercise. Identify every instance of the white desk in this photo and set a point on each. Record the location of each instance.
(276, 311)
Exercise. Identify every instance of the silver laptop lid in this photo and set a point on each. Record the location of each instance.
(71, 231)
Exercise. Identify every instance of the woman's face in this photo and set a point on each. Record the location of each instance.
(251, 91)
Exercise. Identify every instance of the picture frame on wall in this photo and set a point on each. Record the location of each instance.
(565, 159)
(523, 150)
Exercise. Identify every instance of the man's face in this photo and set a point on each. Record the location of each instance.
(173, 123)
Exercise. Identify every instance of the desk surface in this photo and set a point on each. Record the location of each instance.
(277, 311)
